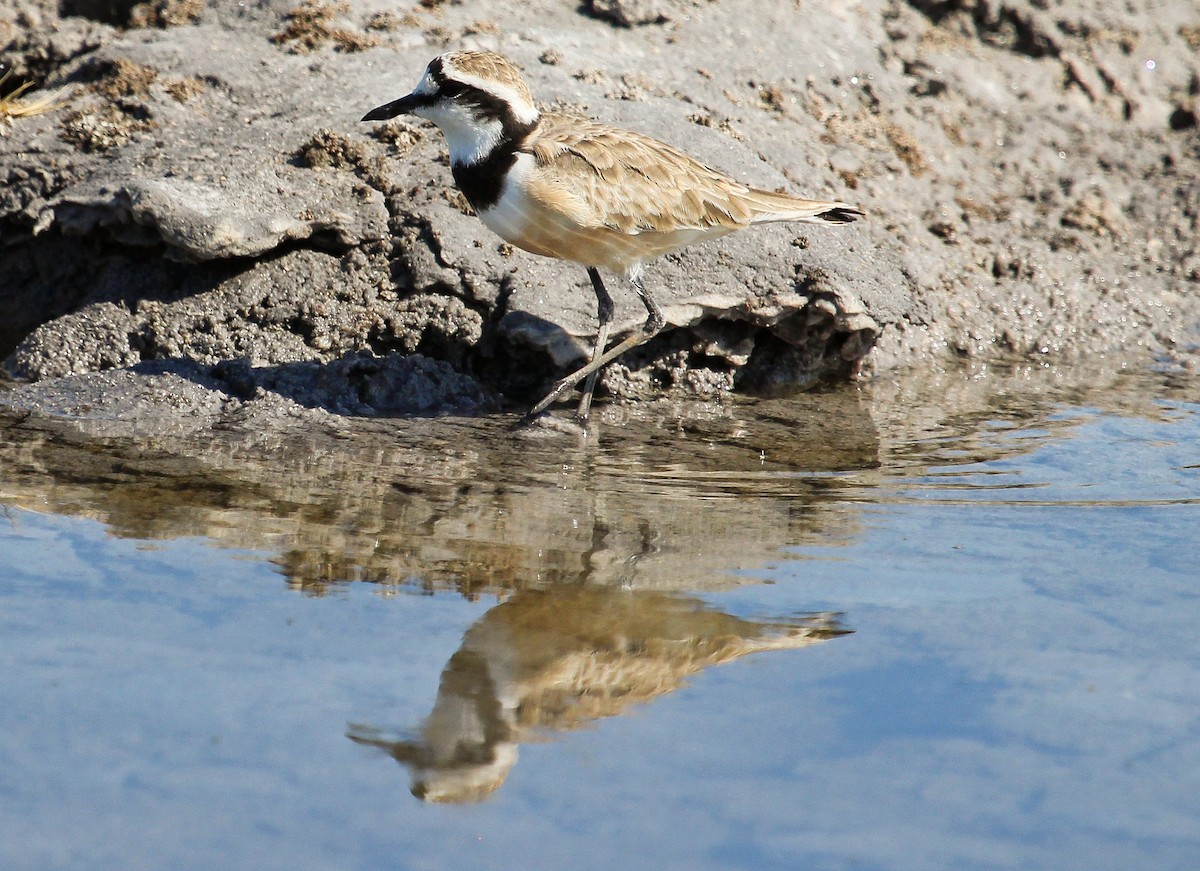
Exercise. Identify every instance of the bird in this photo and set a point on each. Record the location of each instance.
(576, 189)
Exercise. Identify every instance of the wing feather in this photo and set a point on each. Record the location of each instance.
(621, 180)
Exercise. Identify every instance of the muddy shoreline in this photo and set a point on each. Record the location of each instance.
(205, 205)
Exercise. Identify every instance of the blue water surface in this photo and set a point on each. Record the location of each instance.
(1021, 689)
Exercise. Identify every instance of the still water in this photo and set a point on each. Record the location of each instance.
(938, 624)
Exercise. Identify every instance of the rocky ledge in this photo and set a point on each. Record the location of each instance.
(203, 201)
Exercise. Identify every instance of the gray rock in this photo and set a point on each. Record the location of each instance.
(208, 193)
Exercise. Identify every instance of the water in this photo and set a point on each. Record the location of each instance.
(938, 624)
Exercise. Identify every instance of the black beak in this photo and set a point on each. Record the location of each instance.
(397, 107)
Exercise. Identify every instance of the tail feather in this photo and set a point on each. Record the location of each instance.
(840, 213)
(769, 207)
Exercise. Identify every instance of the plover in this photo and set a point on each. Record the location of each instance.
(572, 188)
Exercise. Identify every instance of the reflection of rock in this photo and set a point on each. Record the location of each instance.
(660, 500)
(558, 659)
(464, 504)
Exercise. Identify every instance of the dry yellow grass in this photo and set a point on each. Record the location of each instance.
(12, 105)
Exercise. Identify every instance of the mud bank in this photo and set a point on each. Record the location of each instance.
(206, 200)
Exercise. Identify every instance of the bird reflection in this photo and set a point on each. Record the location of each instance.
(552, 660)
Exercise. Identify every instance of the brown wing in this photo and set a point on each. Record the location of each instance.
(607, 177)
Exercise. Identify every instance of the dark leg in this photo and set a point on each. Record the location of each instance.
(654, 319)
(604, 315)
(650, 329)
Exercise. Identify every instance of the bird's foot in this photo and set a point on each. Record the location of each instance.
(560, 389)
(597, 363)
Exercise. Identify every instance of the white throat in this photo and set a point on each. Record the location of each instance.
(469, 138)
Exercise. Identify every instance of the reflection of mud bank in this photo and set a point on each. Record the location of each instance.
(208, 194)
(557, 659)
(661, 496)
(460, 503)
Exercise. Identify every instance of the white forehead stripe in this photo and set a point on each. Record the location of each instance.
(524, 111)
